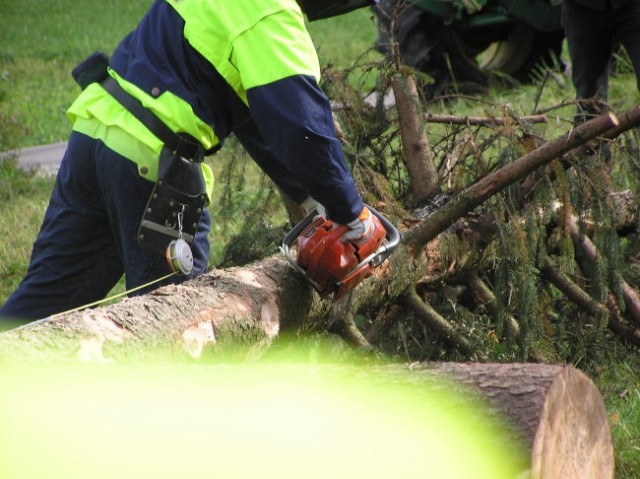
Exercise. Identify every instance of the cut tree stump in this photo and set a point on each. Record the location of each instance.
(558, 410)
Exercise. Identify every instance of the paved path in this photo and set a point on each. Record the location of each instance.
(44, 159)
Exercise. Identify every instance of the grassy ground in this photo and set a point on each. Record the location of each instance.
(40, 42)
(38, 52)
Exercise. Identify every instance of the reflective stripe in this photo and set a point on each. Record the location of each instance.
(174, 112)
(289, 51)
(123, 143)
(95, 102)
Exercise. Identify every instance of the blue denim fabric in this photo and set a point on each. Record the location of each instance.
(88, 238)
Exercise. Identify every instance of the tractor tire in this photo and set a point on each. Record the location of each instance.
(461, 59)
(520, 51)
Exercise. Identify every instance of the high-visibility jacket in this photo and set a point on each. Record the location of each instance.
(215, 67)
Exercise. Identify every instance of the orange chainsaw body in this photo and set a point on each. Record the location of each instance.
(331, 264)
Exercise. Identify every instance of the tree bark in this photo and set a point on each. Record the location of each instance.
(626, 120)
(415, 142)
(235, 306)
(479, 120)
(556, 408)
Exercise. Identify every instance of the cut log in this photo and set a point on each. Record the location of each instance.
(348, 417)
(234, 306)
(557, 409)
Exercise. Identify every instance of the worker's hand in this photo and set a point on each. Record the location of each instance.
(310, 205)
(361, 228)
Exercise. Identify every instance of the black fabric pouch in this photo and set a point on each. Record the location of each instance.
(91, 70)
(176, 204)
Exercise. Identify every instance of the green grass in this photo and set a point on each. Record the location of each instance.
(23, 199)
(40, 43)
(620, 387)
(341, 39)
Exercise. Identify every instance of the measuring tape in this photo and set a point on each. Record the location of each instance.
(179, 258)
(115, 296)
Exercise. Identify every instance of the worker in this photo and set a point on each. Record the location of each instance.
(132, 191)
(594, 30)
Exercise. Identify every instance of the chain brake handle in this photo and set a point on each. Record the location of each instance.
(391, 242)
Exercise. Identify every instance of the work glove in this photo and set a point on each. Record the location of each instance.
(310, 205)
(360, 229)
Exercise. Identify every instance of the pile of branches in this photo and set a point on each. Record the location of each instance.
(531, 246)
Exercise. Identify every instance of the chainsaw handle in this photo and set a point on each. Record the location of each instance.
(292, 235)
(290, 238)
(392, 239)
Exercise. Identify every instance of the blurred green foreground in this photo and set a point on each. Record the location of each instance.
(242, 421)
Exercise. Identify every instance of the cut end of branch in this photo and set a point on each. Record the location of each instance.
(613, 119)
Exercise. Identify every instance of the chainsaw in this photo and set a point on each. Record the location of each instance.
(331, 265)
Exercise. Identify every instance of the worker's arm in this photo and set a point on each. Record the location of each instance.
(279, 69)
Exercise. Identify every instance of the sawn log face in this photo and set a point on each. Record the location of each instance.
(557, 409)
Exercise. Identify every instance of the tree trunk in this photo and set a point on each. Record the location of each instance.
(556, 408)
(415, 142)
(234, 306)
(341, 420)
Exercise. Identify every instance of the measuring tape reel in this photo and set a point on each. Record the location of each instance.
(179, 256)
(173, 212)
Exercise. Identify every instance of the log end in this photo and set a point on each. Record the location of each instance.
(573, 439)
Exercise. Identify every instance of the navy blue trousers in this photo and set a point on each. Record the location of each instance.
(88, 238)
(592, 37)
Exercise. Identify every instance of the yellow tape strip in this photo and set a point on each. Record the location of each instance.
(115, 296)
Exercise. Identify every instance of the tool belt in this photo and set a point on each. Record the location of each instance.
(179, 196)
